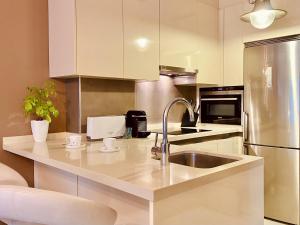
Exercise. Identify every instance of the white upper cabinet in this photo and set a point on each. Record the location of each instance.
(178, 33)
(189, 37)
(141, 39)
(104, 38)
(233, 46)
(209, 52)
(62, 38)
(99, 38)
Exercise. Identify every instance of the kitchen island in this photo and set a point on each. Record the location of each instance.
(141, 190)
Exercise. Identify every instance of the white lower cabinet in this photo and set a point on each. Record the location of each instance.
(130, 209)
(231, 145)
(53, 179)
(207, 146)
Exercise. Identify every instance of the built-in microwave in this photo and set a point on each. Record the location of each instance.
(221, 105)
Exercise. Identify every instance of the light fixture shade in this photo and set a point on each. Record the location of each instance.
(263, 14)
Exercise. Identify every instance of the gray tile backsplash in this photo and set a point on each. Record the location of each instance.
(102, 97)
(153, 96)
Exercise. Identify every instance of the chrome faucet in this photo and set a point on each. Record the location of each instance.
(165, 146)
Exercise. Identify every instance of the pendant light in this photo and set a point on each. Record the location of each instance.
(263, 15)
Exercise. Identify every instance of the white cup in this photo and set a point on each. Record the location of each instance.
(109, 143)
(74, 140)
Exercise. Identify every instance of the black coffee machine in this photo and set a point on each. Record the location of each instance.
(137, 120)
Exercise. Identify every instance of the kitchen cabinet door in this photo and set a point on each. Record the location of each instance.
(130, 209)
(209, 54)
(232, 145)
(100, 38)
(62, 38)
(104, 39)
(178, 33)
(207, 146)
(233, 45)
(141, 39)
(189, 38)
(239, 144)
(227, 146)
(86, 38)
(53, 179)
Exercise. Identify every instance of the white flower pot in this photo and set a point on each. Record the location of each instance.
(39, 130)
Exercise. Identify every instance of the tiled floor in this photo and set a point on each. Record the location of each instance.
(269, 222)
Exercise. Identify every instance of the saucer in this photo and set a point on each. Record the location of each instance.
(115, 149)
(75, 146)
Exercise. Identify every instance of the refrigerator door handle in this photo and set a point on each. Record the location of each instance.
(246, 127)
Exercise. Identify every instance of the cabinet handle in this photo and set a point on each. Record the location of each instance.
(246, 126)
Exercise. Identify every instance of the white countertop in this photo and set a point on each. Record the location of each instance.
(131, 170)
(213, 129)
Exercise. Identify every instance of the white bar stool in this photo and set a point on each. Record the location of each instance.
(21, 205)
(8, 176)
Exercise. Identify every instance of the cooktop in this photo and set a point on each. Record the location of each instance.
(187, 131)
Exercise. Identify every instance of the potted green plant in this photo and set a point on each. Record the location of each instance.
(39, 106)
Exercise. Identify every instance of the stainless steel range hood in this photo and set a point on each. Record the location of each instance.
(176, 71)
(181, 76)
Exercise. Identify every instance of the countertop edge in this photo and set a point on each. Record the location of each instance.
(106, 180)
(196, 182)
(150, 194)
(144, 193)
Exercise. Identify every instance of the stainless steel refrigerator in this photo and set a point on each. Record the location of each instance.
(271, 120)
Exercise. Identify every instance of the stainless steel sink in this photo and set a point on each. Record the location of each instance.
(199, 160)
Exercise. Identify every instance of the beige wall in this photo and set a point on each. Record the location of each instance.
(23, 62)
(234, 32)
(288, 25)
